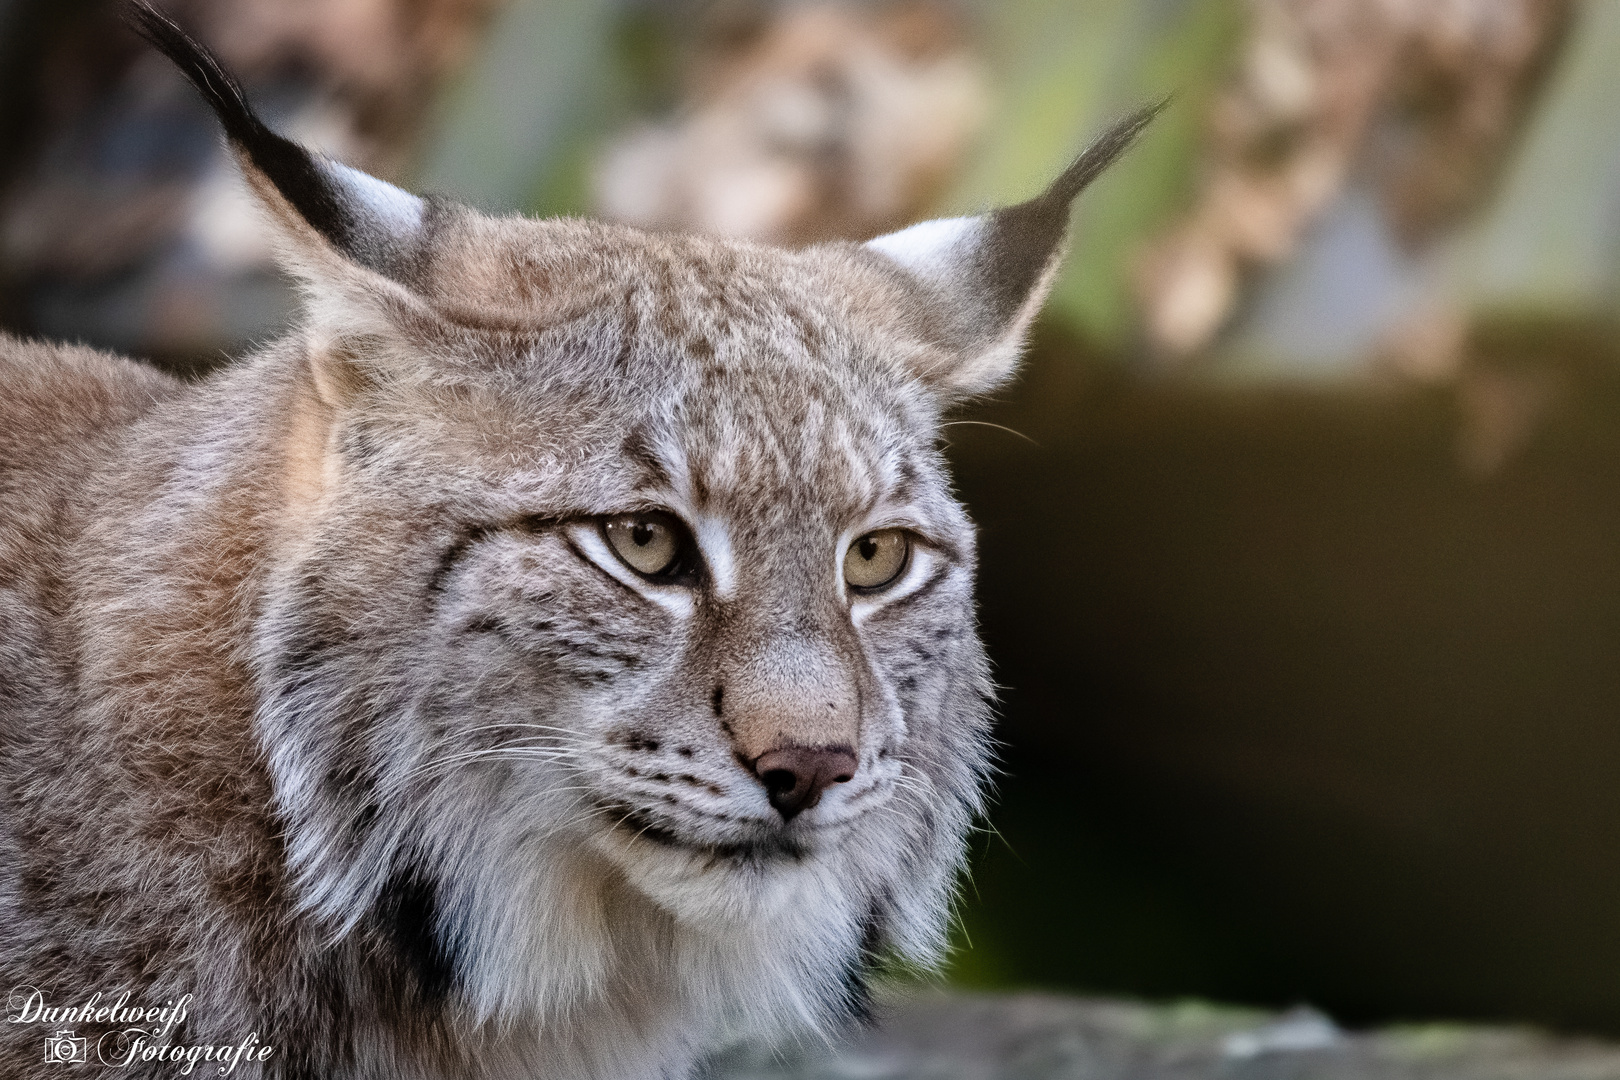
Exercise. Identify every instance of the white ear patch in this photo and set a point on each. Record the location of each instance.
(932, 249)
(395, 209)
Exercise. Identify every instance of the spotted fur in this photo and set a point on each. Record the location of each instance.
(323, 699)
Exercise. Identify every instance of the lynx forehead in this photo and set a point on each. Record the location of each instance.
(554, 658)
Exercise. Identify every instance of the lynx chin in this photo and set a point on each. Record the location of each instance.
(554, 658)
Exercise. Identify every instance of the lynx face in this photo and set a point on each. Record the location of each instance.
(612, 651)
(668, 584)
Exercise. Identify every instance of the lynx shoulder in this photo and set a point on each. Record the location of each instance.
(555, 657)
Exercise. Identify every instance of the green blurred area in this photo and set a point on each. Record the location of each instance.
(1068, 69)
(522, 129)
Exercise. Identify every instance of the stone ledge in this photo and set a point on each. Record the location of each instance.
(939, 1036)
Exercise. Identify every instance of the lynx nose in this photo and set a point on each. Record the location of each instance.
(795, 776)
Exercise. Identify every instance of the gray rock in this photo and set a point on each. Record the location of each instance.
(938, 1036)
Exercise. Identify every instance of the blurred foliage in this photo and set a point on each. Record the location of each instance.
(523, 129)
(1550, 242)
(527, 116)
(518, 130)
(557, 77)
(1068, 68)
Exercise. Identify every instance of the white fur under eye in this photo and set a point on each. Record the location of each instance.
(922, 563)
(714, 544)
(588, 539)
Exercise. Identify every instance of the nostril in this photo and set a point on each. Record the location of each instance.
(795, 776)
(779, 781)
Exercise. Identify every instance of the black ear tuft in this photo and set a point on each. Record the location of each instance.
(357, 214)
(983, 278)
(1025, 237)
(288, 166)
(1103, 152)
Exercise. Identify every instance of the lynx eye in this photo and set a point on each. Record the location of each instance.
(876, 559)
(651, 543)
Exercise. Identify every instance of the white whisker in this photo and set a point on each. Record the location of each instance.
(532, 753)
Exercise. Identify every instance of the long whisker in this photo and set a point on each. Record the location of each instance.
(913, 789)
(998, 427)
(587, 813)
(549, 753)
(916, 779)
(571, 743)
(918, 783)
(539, 753)
(520, 724)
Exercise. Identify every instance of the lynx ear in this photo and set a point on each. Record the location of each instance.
(987, 276)
(317, 201)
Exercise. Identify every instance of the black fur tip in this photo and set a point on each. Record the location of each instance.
(292, 169)
(217, 86)
(1103, 152)
(1026, 236)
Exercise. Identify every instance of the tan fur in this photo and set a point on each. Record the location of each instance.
(325, 700)
(146, 531)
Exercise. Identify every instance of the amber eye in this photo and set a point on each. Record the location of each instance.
(650, 543)
(876, 559)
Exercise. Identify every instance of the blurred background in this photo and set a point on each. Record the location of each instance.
(1301, 557)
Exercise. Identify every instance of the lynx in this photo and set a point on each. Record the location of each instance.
(554, 658)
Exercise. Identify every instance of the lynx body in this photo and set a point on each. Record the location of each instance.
(339, 718)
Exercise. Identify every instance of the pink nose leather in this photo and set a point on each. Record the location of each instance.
(795, 776)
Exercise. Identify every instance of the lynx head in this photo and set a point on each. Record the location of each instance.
(619, 615)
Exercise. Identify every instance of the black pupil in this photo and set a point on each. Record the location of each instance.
(641, 534)
(868, 548)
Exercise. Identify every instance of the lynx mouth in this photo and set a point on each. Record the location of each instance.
(761, 845)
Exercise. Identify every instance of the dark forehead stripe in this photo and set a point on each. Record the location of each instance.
(810, 330)
(637, 450)
(470, 536)
(896, 481)
(726, 382)
(452, 554)
(801, 472)
(678, 307)
(745, 390)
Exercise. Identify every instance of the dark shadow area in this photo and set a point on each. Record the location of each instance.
(1298, 707)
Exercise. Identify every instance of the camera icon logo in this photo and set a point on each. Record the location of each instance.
(63, 1049)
